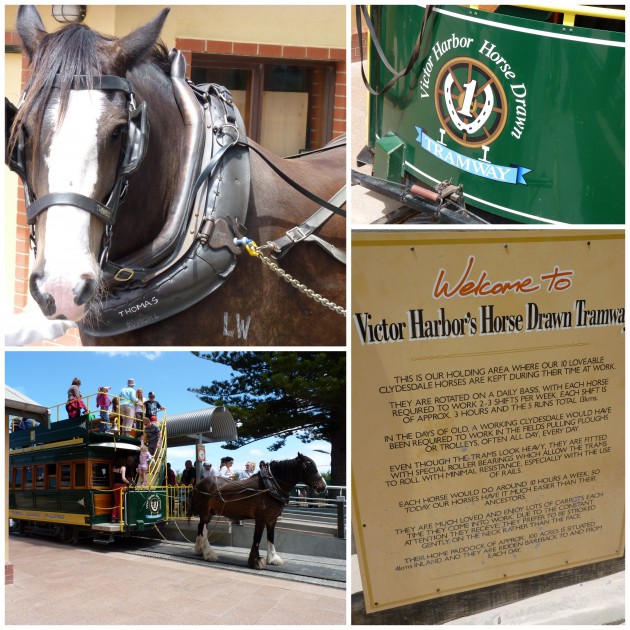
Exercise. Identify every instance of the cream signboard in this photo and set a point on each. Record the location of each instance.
(487, 407)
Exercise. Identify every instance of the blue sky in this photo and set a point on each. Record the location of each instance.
(45, 377)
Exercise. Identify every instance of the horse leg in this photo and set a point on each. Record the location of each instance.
(272, 556)
(255, 561)
(202, 546)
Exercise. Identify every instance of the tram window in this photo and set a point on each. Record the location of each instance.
(65, 478)
(17, 477)
(28, 477)
(51, 473)
(79, 475)
(100, 474)
(39, 479)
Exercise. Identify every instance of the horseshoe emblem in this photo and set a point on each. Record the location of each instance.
(470, 102)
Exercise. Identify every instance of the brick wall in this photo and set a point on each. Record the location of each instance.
(355, 54)
(286, 54)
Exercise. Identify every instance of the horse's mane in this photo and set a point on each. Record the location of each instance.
(72, 50)
(285, 468)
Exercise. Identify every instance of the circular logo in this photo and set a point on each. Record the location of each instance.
(470, 102)
(154, 504)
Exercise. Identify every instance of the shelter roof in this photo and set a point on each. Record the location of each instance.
(17, 404)
(212, 424)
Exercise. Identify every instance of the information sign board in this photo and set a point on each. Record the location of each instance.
(487, 407)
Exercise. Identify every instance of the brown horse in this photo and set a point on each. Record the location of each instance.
(86, 149)
(262, 497)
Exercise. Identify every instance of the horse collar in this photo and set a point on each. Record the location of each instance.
(195, 252)
(271, 485)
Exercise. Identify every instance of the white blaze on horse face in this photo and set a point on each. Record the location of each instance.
(72, 163)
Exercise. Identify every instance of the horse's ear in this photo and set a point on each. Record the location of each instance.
(30, 28)
(133, 47)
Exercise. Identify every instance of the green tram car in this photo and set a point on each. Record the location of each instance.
(521, 105)
(60, 481)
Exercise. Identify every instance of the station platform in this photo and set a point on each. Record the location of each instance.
(84, 584)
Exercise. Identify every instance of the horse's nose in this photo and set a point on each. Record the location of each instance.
(61, 298)
(45, 301)
(84, 290)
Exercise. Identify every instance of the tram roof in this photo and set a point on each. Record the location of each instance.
(17, 404)
(212, 424)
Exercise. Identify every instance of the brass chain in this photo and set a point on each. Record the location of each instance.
(255, 251)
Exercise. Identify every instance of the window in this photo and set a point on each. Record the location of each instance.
(51, 474)
(39, 477)
(65, 475)
(79, 475)
(287, 107)
(100, 474)
(28, 473)
(17, 477)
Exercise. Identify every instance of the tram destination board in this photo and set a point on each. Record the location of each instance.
(487, 407)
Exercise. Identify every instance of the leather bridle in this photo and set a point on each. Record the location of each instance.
(133, 151)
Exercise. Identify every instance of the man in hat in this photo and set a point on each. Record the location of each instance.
(152, 406)
(207, 470)
(128, 399)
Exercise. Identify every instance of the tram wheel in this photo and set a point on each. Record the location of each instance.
(68, 534)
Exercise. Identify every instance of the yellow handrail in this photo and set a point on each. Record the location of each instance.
(157, 463)
(579, 9)
(91, 407)
(569, 11)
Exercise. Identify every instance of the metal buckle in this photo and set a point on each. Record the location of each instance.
(300, 236)
(126, 270)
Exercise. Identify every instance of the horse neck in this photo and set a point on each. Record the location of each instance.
(153, 187)
(286, 473)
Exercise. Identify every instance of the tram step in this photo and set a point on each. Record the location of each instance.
(104, 539)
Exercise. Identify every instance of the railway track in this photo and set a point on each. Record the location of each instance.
(328, 572)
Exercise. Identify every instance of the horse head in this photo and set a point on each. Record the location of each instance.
(309, 474)
(74, 130)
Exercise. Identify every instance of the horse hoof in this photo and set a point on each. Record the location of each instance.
(276, 561)
(257, 563)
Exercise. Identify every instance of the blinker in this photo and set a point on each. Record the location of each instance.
(16, 159)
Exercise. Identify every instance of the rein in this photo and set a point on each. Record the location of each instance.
(219, 495)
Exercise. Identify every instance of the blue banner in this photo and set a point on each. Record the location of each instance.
(512, 174)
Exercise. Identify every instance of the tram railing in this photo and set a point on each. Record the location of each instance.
(333, 499)
(157, 466)
(117, 421)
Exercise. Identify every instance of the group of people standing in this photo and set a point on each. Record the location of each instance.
(122, 411)
(189, 474)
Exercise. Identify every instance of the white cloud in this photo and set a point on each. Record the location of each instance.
(149, 355)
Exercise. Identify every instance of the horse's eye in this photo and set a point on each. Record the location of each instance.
(117, 133)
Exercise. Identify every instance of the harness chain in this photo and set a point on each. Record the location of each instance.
(254, 250)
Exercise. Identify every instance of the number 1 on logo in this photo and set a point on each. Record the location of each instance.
(468, 97)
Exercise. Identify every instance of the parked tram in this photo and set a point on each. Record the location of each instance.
(61, 479)
(517, 110)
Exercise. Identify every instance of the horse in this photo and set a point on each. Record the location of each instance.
(262, 497)
(105, 203)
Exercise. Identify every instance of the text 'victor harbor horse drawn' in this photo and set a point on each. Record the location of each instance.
(262, 497)
(137, 235)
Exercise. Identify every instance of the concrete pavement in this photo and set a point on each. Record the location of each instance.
(58, 584)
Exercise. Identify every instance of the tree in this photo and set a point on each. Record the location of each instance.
(278, 394)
